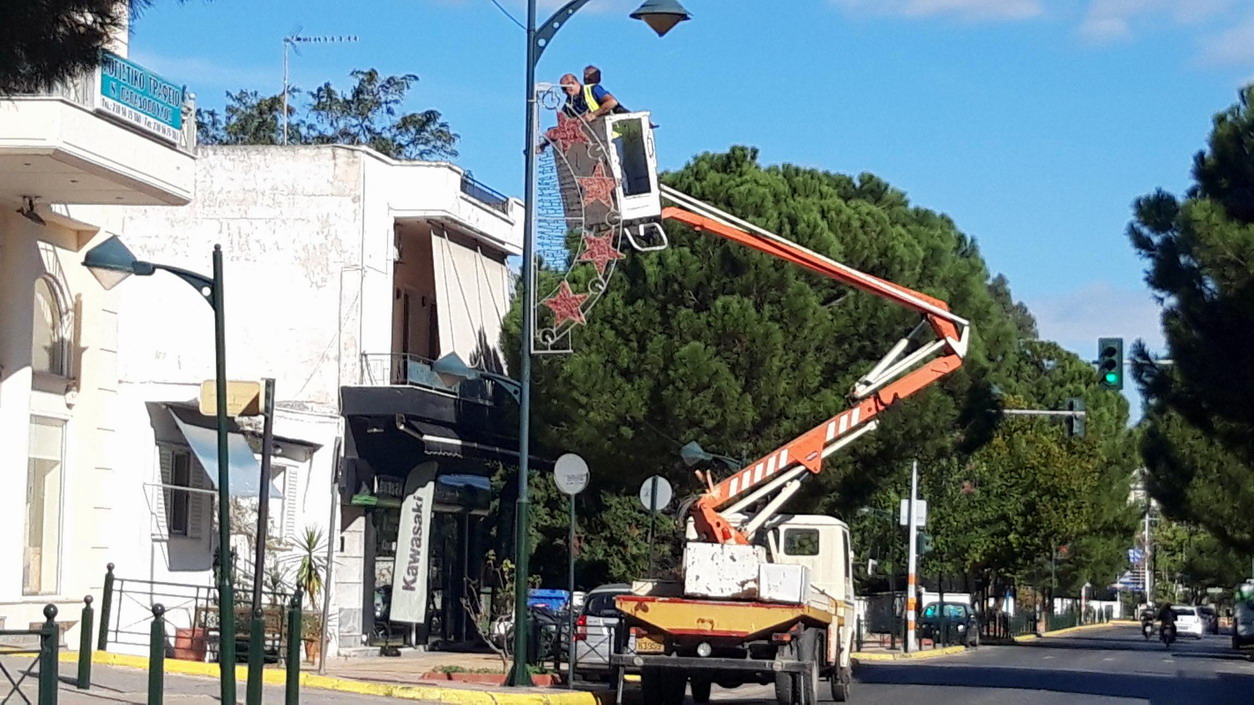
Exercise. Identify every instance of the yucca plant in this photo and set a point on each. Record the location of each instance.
(313, 563)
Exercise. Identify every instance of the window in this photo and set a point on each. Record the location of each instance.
(178, 501)
(50, 349)
(179, 506)
(41, 550)
(801, 542)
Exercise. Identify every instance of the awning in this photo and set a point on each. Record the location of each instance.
(245, 471)
(442, 440)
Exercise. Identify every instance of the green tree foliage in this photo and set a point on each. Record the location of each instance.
(741, 352)
(1199, 444)
(48, 41)
(368, 114)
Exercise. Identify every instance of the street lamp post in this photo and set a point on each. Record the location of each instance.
(111, 262)
(661, 15)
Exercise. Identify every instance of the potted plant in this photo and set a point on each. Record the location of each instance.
(311, 634)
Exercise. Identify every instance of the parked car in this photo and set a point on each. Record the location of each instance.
(594, 632)
(1210, 619)
(962, 626)
(1188, 621)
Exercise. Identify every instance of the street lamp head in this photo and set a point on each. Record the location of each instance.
(693, 453)
(661, 15)
(111, 262)
(451, 369)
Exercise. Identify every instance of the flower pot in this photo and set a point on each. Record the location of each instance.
(313, 647)
(189, 644)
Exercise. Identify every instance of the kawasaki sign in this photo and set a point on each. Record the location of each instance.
(140, 97)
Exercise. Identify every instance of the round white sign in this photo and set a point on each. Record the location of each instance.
(570, 472)
(662, 487)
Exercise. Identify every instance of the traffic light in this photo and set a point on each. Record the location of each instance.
(1075, 422)
(1110, 363)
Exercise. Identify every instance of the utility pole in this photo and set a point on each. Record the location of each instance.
(912, 559)
(1149, 563)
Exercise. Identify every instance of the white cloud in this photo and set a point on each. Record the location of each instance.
(1232, 46)
(970, 10)
(1077, 319)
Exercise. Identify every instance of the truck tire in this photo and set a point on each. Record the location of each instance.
(785, 682)
(651, 687)
(810, 651)
(700, 690)
(674, 688)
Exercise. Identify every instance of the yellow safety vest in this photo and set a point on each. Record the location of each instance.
(592, 103)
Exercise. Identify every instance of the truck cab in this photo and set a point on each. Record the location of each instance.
(821, 544)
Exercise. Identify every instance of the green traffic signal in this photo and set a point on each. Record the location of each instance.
(1110, 363)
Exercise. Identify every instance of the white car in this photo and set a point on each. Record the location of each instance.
(1188, 621)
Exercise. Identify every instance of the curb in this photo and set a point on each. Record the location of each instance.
(912, 656)
(1063, 632)
(428, 693)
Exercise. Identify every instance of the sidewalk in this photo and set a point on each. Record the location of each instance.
(124, 678)
(119, 684)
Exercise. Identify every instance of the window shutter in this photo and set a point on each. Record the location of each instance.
(291, 505)
(160, 495)
(196, 500)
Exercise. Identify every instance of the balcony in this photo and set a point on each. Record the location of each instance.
(119, 136)
(407, 370)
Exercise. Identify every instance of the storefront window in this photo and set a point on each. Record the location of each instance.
(49, 342)
(42, 548)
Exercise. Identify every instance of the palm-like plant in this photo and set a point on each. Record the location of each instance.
(313, 562)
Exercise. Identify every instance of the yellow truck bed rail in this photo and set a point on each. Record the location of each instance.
(719, 618)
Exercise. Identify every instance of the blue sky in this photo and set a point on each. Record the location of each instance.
(1033, 123)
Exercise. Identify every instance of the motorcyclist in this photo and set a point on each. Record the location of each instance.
(1166, 616)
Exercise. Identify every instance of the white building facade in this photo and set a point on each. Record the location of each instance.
(67, 158)
(344, 270)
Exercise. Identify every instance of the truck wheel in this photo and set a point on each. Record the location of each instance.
(840, 691)
(700, 691)
(785, 681)
(810, 652)
(651, 687)
(674, 687)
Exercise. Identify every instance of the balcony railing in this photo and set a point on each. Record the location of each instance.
(485, 195)
(86, 91)
(405, 369)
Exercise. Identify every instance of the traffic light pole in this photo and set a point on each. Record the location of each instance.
(912, 559)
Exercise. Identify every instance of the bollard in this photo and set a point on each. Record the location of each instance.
(106, 606)
(49, 644)
(84, 646)
(858, 633)
(156, 656)
(291, 691)
(256, 657)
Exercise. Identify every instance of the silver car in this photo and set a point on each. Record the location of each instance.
(594, 632)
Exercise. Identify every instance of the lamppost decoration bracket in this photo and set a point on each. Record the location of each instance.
(545, 32)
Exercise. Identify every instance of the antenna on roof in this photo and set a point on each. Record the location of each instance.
(291, 41)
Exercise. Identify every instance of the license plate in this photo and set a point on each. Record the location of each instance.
(649, 644)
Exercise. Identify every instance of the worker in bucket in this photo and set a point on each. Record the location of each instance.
(599, 101)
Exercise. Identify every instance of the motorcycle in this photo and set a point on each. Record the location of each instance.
(1147, 629)
(1168, 634)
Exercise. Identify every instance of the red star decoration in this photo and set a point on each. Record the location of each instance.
(565, 305)
(597, 187)
(567, 132)
(600, 251)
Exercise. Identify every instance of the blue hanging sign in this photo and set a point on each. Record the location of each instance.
(138, 96)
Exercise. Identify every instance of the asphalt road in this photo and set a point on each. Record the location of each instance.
(1109, 666)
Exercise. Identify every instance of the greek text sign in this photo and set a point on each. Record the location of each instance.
(138, 96)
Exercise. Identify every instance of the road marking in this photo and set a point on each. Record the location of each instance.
(1047, 657)
(1109, 658)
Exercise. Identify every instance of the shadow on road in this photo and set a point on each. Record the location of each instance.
(1216, 689)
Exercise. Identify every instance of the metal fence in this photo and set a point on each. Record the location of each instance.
(17, 646)
(191, 614)
(488, 197)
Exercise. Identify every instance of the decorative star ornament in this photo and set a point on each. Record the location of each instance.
(597, 187)
(600, 251)
(568, 132)
(565, 305)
